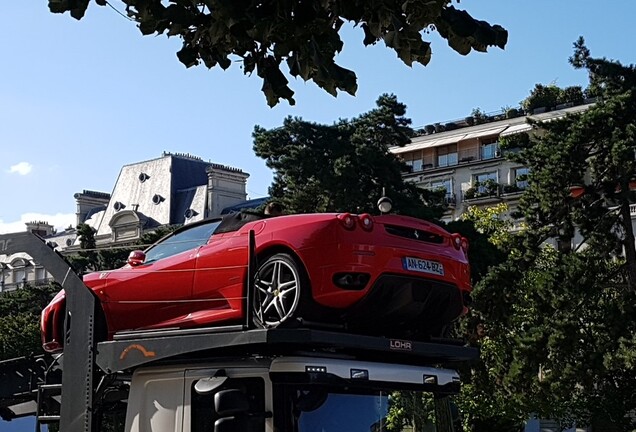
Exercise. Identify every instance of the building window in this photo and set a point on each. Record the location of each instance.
(40, 274)
(485, 181)
(19, 275)
(143, 177)
(490, 149)
(521, 177)
(189, 213)
(119, 206)
(447, 186)
(414, 160)
(447, 155)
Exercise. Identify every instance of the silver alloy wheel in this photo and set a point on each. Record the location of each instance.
(277, 291)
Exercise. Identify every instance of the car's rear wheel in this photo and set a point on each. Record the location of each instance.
(280, 289)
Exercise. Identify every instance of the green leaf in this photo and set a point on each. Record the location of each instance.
(188, 56)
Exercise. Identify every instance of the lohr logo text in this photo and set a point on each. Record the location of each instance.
(402, 345)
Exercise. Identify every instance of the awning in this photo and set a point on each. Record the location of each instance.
(412, 147)
(485, 132)
(429, 143)
(449, 140)
(518, 128)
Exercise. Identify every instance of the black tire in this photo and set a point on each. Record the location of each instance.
(280, 290)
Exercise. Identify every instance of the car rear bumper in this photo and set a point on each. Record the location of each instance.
(404, 306)
(326, 265)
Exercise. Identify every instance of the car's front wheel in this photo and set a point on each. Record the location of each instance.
(279, 289)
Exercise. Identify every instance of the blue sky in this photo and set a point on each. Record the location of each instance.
(79, 99)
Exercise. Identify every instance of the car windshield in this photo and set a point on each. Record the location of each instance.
(352, 409)
(322, 411)
(182, 241)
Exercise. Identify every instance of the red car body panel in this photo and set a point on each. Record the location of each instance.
(206, 284)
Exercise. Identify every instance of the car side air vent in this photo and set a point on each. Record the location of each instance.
(414, 234)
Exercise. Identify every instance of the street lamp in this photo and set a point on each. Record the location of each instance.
(384, 203)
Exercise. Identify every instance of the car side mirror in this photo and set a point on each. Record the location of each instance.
(230, 402)
(233, 408)
(136, 258)
(231, 424)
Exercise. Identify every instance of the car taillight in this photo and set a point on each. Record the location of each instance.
(465, 244)
(366, 221)
(347, 220)
(456, 239)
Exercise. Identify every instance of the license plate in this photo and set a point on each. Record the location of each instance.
(422, 266)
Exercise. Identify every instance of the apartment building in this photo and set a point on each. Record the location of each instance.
(467, 161)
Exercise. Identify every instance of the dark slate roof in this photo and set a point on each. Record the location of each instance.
(155, 188)
(190, 200)
(188, 172)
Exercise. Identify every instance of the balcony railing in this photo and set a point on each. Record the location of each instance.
(463, 157)
(466, 156)
(492, 190)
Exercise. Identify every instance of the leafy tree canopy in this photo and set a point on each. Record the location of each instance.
(19, 319)
(344, 166)
(305, 34)
(559, 321)
(551, 95)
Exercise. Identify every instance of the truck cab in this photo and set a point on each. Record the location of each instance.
(292, 394)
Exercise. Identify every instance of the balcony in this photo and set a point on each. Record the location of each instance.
(513, 189)
(466, 156)
(480, 197)
(491, 191)
(459, 158)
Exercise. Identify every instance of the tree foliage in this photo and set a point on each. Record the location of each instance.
(344, 166)
(483, 405)
(304, 35)
(559, 321)
(551, 95)
(19, 319)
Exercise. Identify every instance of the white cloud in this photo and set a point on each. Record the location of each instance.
(22, 168)
(60, 221)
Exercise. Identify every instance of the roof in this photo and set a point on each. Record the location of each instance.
(188, 205)
(497, 128)
(160, 189)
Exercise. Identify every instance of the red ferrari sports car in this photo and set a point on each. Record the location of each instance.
(382, 274)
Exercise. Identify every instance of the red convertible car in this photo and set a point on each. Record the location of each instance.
(385, 274)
